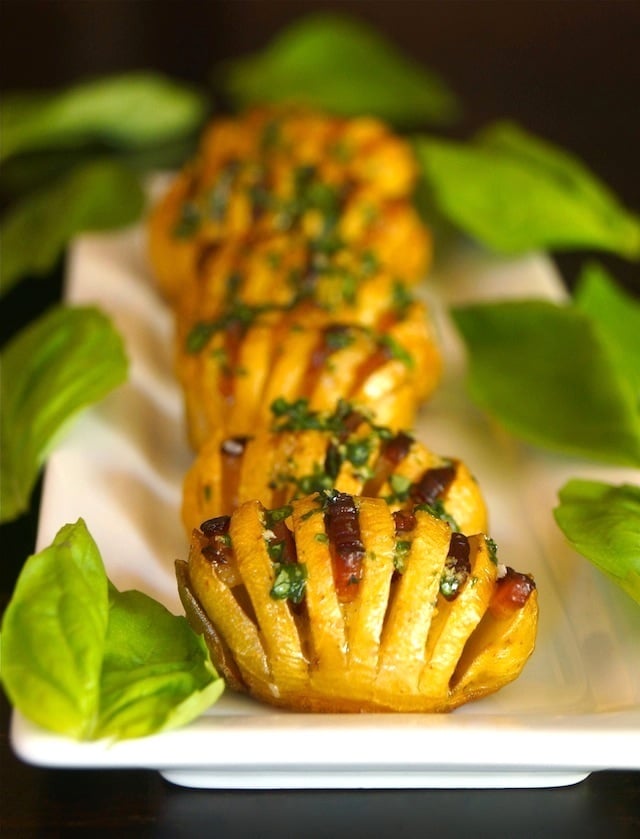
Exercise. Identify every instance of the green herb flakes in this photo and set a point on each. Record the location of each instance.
(290, 582)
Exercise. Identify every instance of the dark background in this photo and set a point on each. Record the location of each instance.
(567, 70)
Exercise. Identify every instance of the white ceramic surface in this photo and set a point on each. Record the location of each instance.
(575, 708)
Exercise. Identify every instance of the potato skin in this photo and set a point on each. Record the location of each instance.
(397, 644)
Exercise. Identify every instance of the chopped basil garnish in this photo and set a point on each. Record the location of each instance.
(401, 298)
(358, 451)
(452, 579)
(438, 511)
(400, 486)
(239, 314)
(400, 554)
(317, 481)
(271, 517)
(333, 461)
(396, 350)
(275, 549)
(492, 548)
(297, 416)
(338, 338)
(290, 582)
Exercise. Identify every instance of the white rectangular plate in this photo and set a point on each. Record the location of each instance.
(575, 708)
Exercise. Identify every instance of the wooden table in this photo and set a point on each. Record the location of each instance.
(568, 71)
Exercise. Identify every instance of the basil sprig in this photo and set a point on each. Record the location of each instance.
(513, 193)
(100, 195)
(83, 659)
(130, 110)
(602, 522)
(72, 161)
(62, 362)
(333, 62)
(616, 317)
(552, 374)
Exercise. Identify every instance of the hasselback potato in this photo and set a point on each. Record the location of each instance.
(302, 450)
(337, 193)
(334, 603)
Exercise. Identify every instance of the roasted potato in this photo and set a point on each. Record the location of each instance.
(301, 451)
(334, 603)
(342, 187)
(232, 370)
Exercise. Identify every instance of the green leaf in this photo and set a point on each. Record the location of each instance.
(130, 110)
(616, 316)
(513, 193)
(544, 373)
(335, 63)
(156, 671)
(53, 634)
(602, 522)
(66, 360)
(30, 171)
(82, 659)
(101, 195)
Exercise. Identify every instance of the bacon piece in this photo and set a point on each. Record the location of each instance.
(457, 567)
(342, 523)
(512, 592)
(217, 548)
(432, 485)
(404, 521)
(392, 453)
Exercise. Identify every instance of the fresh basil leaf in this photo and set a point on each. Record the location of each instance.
(513, 193)
(544, 373)
(617, 317)
(98, 196)
(129, 110)
(53, 633)
(64, 361)
(602, 522)
(156, 671)
(85, 660)
(30, 171)
(335, 63)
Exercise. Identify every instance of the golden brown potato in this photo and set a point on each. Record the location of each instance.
(232, 369)
(289, 248)
(341, 187)
(302, 451)
(334, 603)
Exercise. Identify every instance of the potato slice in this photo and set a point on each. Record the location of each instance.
(275, 622)
(455, 620)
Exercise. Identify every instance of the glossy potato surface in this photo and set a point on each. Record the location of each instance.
(390, 641)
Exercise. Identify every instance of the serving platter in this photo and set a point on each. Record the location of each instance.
(574, 709)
